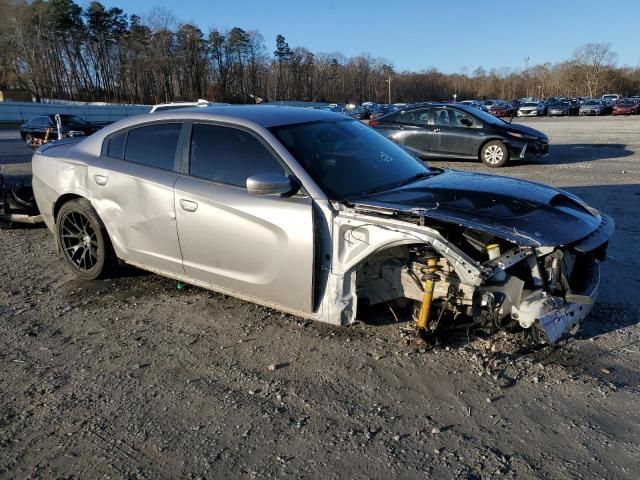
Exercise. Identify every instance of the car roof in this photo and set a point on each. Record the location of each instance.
(251, 116)
(264, 115)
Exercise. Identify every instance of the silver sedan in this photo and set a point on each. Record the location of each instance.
(314, 214)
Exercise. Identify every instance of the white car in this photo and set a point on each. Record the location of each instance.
(531, 109)
(610, 98)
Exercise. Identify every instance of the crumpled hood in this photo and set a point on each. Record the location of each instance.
(520, 211)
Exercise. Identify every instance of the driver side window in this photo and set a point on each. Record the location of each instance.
(451, 117)
(413, 117)
(229, 155)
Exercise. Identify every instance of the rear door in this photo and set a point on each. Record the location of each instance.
(455, 132)
(409, 128)
(132, 185)
(257, 246)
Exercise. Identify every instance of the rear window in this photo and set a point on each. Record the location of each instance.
(153, 145)
(115, 147)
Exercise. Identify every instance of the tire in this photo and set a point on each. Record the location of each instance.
(83, 241)
(494, 154)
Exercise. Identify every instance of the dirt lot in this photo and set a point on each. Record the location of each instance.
(132, 378)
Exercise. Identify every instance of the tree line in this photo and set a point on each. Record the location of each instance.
(57, 49)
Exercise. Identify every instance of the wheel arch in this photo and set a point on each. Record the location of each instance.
(62, 200)
(491, 139)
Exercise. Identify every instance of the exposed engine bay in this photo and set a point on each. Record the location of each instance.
(460, 276)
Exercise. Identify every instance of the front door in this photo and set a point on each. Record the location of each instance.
(454, 132)
(411, 130)
(258, 246)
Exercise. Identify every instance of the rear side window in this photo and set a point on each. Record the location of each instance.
(115, 147)
(416, 117)
(228, 155)
(153, 145)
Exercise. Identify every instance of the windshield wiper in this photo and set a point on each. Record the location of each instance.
(384, 188)
(419, 176)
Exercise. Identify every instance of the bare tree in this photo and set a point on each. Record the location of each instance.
(591, 61)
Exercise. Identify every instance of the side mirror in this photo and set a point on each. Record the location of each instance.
(466, 122)
(270, 184)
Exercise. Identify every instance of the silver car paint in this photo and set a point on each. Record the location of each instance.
(150, 191)
(245, 243)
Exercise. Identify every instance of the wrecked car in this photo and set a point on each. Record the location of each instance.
(316, 214)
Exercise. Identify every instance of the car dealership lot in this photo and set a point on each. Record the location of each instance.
(132, 377)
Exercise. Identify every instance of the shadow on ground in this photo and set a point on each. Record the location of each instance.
(562, 154)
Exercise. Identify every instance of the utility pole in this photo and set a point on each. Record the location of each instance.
(526, 73)
(388, 80)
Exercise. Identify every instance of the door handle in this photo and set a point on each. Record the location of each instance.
(188, 205)
(101, 179)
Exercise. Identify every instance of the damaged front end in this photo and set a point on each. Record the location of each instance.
(458, 273)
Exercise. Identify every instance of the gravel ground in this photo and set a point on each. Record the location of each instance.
(132, 378)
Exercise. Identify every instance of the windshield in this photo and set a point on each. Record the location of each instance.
(72, 119)
(348, 159)
(530, 104)
(592, 102)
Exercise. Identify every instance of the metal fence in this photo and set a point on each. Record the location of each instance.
(23, 111)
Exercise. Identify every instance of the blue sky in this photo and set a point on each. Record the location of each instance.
(413, 34)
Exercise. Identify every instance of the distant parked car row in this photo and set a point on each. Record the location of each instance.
(559, 106)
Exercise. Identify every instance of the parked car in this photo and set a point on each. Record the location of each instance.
(626, 106)
(476, 104)
(594, 107)
(502, 109)
(460, 131)
(559, 109)
(44, 127)
(610, 98)
(574, 106)
(316, 214)
(358, 113)
(532, 109)
(381, 110)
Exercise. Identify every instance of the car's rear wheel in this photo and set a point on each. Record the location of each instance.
(494, 154)
(83, 240)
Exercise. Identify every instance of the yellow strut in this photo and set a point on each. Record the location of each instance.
(427, 296)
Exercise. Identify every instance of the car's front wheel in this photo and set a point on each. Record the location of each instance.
(494, 154)
(83, 240)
